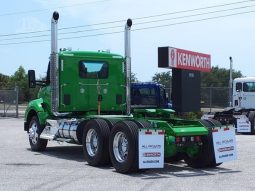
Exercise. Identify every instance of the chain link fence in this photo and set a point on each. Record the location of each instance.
(214, 97)
(9, 100)
(211, 97)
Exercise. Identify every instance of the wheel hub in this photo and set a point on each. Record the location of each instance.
(33, 135)
(92, 142)
(120, 147)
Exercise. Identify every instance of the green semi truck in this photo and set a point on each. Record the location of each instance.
(85, 100)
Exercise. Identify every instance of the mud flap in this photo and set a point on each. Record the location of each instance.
(243, 125)
(151, 148)
(224, 142)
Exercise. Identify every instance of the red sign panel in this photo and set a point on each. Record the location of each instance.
(184, 59)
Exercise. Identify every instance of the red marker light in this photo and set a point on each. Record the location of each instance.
(148, 132)
(177, 139)
(197, 138)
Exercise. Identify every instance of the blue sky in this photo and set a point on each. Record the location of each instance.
(223, 37)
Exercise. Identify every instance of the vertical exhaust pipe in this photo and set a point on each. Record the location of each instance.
(230, 82)
(54, 79)
(128, 65)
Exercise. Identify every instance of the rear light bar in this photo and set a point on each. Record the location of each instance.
(187, 139)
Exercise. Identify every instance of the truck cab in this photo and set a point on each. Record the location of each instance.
(148, 95)
(244, 92)
(87, 78)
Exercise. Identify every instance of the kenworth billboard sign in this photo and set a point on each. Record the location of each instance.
(169, 57)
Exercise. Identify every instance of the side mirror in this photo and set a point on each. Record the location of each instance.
(31, 79)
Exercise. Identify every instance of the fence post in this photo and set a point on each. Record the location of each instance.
(210, 100)
(16, 89)
(4, 109)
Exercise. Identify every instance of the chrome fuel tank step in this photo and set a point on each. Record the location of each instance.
(64, 129)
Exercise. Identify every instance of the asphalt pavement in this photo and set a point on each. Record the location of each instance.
(62, 167)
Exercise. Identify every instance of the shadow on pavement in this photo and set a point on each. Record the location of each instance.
(179, 169)
(74, 153)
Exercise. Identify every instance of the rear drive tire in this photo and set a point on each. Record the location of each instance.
(34, 131)
(206, 157)
(95, 142)
(123, 147)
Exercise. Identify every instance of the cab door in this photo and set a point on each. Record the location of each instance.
(237, 94)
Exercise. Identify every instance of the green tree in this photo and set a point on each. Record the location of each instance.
(134, 78)
(20, 79)
(3, 81)
(163, 78)
(218, 77)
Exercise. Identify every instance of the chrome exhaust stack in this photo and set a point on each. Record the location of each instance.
(54, 79)
(128, 65)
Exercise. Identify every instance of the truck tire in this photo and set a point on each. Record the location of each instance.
(123, 147)
(143, 124)
(251, 118)
(111, 122)
(35, 129)
(214, 123)
(95, 142)
(206, 156)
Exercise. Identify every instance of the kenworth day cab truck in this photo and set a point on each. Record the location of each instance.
(85, 100)
(242, 112)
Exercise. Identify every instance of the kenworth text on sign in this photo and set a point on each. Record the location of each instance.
(170, 57)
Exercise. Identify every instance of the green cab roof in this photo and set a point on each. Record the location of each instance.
(93, 54)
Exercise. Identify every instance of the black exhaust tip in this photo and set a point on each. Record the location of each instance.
(55, 15)
(129, 22)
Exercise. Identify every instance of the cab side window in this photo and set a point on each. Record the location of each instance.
(249, 87)
(239, 87)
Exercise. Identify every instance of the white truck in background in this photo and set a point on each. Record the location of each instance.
(242, 112)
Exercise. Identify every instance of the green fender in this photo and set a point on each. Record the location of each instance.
(36, 107)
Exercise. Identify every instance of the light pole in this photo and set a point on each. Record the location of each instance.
(230, 81)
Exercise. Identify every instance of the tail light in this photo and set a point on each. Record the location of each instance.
(197, 138)
(177, 139)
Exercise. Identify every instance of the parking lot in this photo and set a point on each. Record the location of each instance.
(62, 167)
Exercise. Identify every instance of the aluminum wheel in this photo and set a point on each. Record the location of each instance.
(33, 135)
(92, 142)
(120, 147)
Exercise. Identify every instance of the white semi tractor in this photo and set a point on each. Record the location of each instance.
(242, 112)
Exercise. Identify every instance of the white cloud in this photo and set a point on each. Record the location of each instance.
(28, 24)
